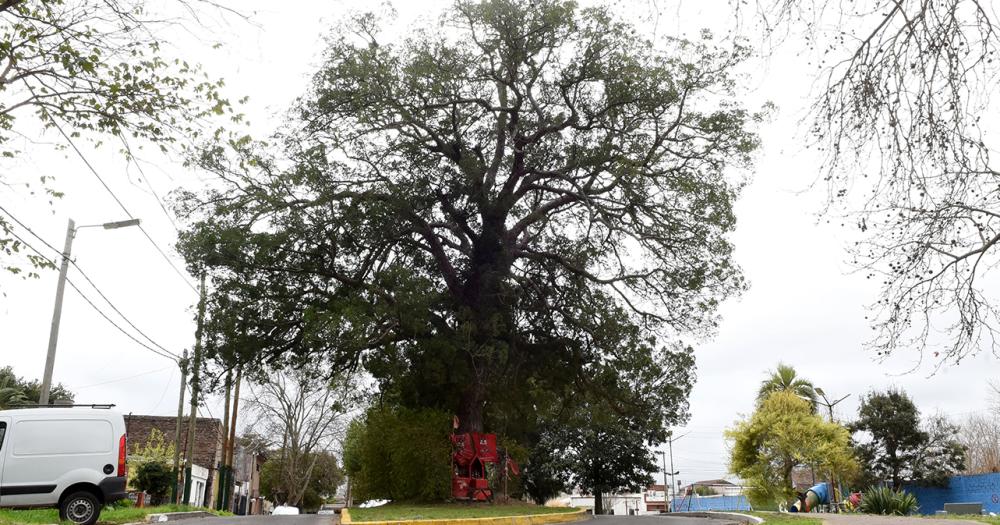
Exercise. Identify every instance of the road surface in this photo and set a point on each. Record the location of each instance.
(655, 520)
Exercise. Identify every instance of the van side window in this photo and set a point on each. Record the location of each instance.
(3, 430)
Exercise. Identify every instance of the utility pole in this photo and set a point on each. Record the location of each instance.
(666, 504)
(829, 406)
(195, 386)
(670, 445)
(232, 431)
(174, 492)
(220, 500)
(50, 357)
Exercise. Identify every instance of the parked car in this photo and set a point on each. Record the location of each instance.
(331, 508)
(285, 510)
(69, 458)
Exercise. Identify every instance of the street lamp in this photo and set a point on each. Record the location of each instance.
(71, 229)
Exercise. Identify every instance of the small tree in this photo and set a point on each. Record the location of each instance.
(784, 433)
(155, 449)
(154, 478)
(784, 378)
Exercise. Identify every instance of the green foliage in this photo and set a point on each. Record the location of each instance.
(16, 390)
(399, 454)
(781, 434)
(406, 512)
(94, 69)
(154, 478)
(704, 491)
(895, 446)
(452, 211)
(784, 378)
(889, 502)
(325, 476)
(156, 449)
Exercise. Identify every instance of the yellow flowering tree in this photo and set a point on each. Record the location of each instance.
(781, 434)
(156, 448)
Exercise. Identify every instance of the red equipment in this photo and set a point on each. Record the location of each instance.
(471, 453)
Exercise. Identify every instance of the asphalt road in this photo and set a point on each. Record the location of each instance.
(313, 519)
(304, 519)
(654, 520)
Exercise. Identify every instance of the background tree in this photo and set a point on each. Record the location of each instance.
(458, 210)
(322, 486)
(896, 446)
(96, 68)
(303, 413)
(18, 390)
(781, 434)
(980, 437)
(157, 448)
(784, 379)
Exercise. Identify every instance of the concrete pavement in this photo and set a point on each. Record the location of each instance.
(656, 520)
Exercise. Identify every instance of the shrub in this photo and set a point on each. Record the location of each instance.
(154, 478)
(399, 454)
(883, 500)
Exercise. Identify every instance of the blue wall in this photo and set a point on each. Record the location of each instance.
(980, 488)
(710, 503)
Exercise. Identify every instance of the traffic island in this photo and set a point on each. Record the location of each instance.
(460, 515)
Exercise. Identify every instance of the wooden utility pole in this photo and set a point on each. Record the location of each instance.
(221, 467)
(232, 432)
(195, 387)
(174, 492)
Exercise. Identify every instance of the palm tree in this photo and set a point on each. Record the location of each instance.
(784, 378)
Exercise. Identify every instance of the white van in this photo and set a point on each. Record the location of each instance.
(69, 458)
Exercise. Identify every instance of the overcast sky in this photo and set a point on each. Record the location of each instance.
(804, 307)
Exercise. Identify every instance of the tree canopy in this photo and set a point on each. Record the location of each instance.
(785, 379)
(466, 212)
(781, 434)
(18, 390)
(896, 446)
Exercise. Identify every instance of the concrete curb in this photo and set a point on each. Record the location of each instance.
(735, 516)
(530, 519)
(174, 516)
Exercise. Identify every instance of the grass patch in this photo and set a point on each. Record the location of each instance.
(403, 511)
(109, 516)
(992, 520)
(779, 518)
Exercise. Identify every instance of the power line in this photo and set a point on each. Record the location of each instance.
(122, 205)
(92, 305)
(87, 278)
(119, 380)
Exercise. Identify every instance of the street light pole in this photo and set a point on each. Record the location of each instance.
(50, 356)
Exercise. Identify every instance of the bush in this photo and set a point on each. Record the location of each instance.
(885, 501)
(399, 454)
(123, 504)
(154, 478)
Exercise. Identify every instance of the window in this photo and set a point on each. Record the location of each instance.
(3, 431)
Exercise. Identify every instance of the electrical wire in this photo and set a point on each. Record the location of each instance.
(119, 380)
(94, 306)
(91, 282)
(122, 205)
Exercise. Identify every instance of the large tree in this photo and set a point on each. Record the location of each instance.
(784, 432)
(18, 390)
(483, 203)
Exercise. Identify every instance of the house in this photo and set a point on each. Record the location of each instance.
(247, 464)
(206, 456)
(712, 487)
(655, 499)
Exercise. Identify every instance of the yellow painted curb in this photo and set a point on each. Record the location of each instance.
(529, 519)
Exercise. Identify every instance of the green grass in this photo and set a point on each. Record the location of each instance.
(109, 516)
(402, 511)
(775, 518)
(992, 520)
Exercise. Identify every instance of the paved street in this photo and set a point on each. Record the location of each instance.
(655, 520)
(304, 519)
(858, 519)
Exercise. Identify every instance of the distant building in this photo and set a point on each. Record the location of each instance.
(247, 464)
(712, 487)
(655, 499)
(207, 454)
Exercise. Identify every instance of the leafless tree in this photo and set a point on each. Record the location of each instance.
(304, 412)
(901, 115)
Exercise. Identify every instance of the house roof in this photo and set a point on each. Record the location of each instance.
(714, 482)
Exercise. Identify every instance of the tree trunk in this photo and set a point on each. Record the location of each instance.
(598, 502)
(470, 408)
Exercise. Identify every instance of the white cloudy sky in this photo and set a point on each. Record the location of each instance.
(803, 309)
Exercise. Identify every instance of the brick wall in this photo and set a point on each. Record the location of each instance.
(208, 436)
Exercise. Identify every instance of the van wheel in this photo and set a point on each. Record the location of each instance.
(81, 508)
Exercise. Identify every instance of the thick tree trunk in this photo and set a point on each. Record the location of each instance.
(598, 502)
(470, 409)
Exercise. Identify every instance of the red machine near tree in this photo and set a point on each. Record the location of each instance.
(471, 453)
